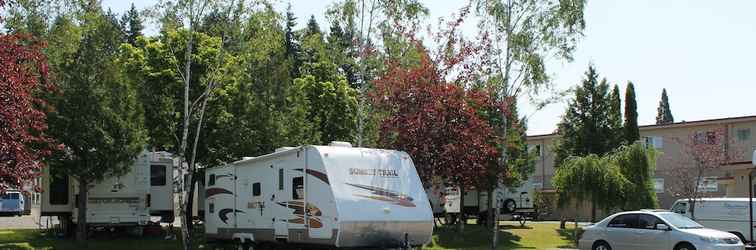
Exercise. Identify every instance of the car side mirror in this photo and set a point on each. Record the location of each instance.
(663, 227)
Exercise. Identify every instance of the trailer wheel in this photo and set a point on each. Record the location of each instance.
(522, 221)
(509, 206)
(244, 245)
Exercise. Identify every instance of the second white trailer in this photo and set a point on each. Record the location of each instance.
(334, 196)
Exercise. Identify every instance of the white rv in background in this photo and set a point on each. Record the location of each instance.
(476, 203)
(331, 196)
(725, 214)
(129, 200)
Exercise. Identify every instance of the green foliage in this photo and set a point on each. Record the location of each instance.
(588, 124)
(615, 117)
(637, 163)
(631, 115)
(664, 113)
(332, 103)
(590, 178)
(131, 22)
(98, 117)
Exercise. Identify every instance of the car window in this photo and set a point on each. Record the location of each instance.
(624, 221)
(680, 221)
(680, 208)
(647, 221)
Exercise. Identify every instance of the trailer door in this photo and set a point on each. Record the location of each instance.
(281, 199)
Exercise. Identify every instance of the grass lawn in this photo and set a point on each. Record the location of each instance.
(511, 236)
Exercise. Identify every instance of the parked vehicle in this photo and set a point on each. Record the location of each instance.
(123, 201)
(654, 230)
(12, 203)
(726, 214)
(509, 201)
(329, 196)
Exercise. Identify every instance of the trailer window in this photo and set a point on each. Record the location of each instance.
(280, 179)
(298, 188)
(211, 207)
(211, 180)
(58, 190)
(10, 196)
(256, 189)
(157, 175)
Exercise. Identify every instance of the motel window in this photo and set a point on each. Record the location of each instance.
(708, 184)
(157, 175)
(655, 141)
(256, 189)
(298, 188)
(744, 134)
(659, 185)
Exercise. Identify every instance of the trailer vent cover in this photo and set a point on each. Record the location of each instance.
(340, 144)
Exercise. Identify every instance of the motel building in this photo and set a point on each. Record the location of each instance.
(734, 136)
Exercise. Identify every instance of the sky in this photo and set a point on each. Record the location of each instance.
(702, 52)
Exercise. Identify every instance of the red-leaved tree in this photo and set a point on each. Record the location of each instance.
(23, 78)
(700, 153)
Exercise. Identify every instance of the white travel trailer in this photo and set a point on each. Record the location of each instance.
(129, 200)
(476, 203)
(725, 214)
(332, 196)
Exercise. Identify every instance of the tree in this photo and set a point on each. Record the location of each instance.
(332, 102)
(590, 178)
(700, 153)
(523, 33)
(24, 78)
(664, 113)
(615, 117)
(98, 117)
(292, 47)
(586, 124)
(637, 163)
(131, 22)
(631, 115)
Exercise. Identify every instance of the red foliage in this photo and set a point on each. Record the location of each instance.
(23, 77)
(436, 122)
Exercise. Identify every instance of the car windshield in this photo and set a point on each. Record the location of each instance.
(679, 221)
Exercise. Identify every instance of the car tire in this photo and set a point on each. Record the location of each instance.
(685, 246)
(601, 245)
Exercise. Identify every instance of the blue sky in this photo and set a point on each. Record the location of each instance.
(702, 52)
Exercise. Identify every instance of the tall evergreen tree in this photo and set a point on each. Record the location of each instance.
(615, 116)
(131, 22)
(587, 124)
(312, 27)
(631, 115)
(664, 113)
(98, 118)
(290, 41)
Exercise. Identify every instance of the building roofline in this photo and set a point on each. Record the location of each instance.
(671, 125)
(700, 122)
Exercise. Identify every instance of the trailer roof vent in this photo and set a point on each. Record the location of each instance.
(340, 144)
(284, 149)
(247, 158)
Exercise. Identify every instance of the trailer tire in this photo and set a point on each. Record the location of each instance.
(244, 245)
(509, 206)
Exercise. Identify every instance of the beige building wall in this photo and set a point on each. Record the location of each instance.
(728, 180)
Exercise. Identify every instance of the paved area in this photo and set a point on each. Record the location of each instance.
(27, 222)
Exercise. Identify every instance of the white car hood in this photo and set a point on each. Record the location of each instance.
(708, 232)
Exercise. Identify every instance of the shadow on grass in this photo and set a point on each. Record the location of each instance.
(568, 235)
(37, 239)
(477, 237)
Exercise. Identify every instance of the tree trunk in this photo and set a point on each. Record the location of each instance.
(593, 210)
(575, 232)
(492, 212)
(190, 201)
(462, 218)
(186, 235)
(81, 224)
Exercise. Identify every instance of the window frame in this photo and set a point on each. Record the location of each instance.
(163, 180)
(211, 180)
(657, 222)
(631, 226)
(256, 189)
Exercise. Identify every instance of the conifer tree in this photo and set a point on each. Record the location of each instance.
(664, 113)
(631, 115)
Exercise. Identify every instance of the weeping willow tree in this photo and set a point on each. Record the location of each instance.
(590, 178)
(637, 163)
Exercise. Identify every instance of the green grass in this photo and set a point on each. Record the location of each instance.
(511, 236)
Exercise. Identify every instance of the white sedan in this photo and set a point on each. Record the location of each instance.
(654, 230)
